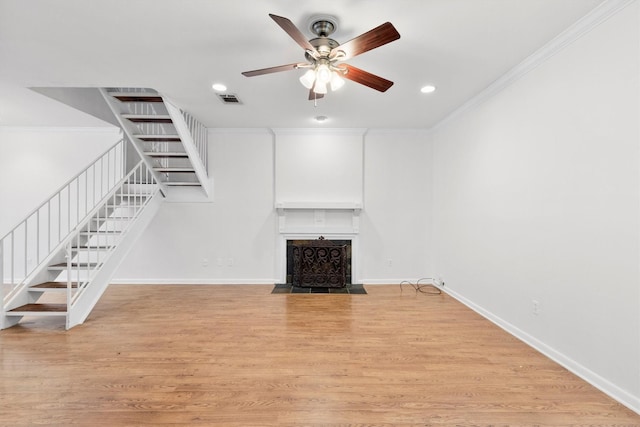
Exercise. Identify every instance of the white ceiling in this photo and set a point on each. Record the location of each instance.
(181, 47)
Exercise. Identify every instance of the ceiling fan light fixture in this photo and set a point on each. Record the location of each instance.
(320, 87)
(308, 78)
(323, 73)
(336, 81)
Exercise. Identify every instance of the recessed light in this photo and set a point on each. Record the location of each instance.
(321, 119)
(428, 89)
(218, 87)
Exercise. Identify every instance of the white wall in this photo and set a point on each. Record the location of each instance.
(237, 234)
(395, 225)
(230, 240)
(318, 166)
(536, 197)
(35, 162)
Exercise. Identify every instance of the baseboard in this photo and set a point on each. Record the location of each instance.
(625, 398)
(182, 281)
(423, 281)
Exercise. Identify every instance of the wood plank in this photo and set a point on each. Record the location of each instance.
(73, 265)
(239, 356)
(136, 96)
(54, 285)
(166, 154)
(174, 170)
(148, 118)
(158, 138)
(41, 308)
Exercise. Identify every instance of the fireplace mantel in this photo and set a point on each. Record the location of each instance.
(321, 217)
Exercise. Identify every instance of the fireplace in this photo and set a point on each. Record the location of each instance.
(319, 263)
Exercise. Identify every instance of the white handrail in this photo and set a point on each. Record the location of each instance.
(200, 138)
(32, 241)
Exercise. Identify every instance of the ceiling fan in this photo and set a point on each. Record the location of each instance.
(324, 56)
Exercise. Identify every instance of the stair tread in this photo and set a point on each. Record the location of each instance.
(148, 118)
(136, 96)
(159, 138)
(166, 154)
(91, 247)
(92, 232)
(54, 285)
(151, 135)
(175, 169)
(75, 264)
(181, 183)
(52, 308)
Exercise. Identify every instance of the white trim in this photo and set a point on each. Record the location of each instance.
(350, 208)
(49, 129)
(158, 281)
(356, 206)
(624, 397)
(584, 25)
(259, 131)
(397, 282)
(396, 131)
(316, 131)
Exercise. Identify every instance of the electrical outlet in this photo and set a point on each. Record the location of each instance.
(389, 263)
(205, 262)
(535, 305)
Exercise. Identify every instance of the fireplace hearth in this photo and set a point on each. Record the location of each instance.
(319, 263)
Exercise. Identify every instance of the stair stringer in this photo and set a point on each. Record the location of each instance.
(83, 306)
(189, 146)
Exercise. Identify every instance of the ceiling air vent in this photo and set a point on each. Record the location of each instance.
(229, 98)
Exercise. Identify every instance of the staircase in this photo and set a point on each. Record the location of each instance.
(171, 142)
(59, 260)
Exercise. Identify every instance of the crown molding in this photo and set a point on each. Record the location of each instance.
(50, 129)
(598, 15)
(255, 131)
(317, 131)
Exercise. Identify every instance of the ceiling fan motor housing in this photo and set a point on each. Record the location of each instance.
(322, 26)
(323, 45)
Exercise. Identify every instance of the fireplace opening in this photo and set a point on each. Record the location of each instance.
(319, 263)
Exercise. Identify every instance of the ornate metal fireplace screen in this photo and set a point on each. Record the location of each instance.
(319, 263)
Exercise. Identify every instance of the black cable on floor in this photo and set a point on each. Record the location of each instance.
(425, 288)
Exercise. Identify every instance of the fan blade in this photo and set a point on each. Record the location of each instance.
(271, 70)
(293, 32)
(379, 36)
(313, 96)
(365, 78)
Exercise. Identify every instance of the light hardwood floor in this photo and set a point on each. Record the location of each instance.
(239, 356)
